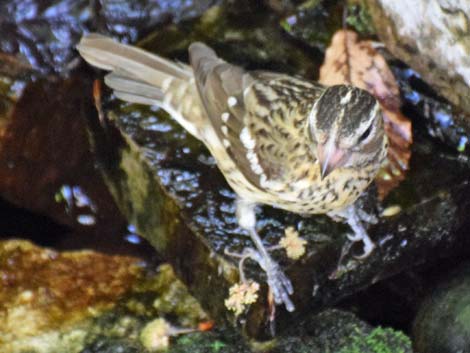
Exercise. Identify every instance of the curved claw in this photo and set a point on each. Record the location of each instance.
(353, 217)
(280, 286)
(354, 237)
(369, 246)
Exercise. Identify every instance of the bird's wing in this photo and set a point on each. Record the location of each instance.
(259, 116)
(283, 145)
(221, 86)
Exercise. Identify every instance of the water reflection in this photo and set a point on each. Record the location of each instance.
(132, 236)
(77, 201)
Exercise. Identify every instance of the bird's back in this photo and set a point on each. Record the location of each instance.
(253, 123)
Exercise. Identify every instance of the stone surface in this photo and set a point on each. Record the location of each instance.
(431, 112)
(71, 301)
(48, 170)
(43, 292)
(443, 322)
(339, 331)
(431, 36)
(41, 35)
(84, 302)
(258, 43)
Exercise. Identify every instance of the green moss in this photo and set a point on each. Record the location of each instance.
(464, 317)
(206, 342)
(325, 15)
(210, 344)
(359, 19)
(165, 295)
(379, 340)
(216, 346)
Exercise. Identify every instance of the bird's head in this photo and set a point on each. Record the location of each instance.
(346, 127)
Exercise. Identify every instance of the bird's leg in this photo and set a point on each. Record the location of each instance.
(354, 218)
(278, 282)
(248, 253)
(364, 216)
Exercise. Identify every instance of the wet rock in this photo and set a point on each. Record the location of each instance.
(193, 342)
(34, 147)
(328, 331)
(166, 183)
(339, 331)
(81, 301)
(89, 302)
(431, 112)
(48, 170)
(43, 293)
(50, 190)
(431, 37)
(130, 20)
(157, 296)
(43, 34)
(327, 18)
(248, 34)
(443, 322)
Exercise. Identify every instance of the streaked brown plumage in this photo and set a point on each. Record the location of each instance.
(278, 140)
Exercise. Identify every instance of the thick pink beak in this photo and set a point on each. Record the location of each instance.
(330, 158)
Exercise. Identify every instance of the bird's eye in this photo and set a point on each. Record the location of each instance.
(365, 134)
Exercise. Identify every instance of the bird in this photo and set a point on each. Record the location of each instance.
(279, 140)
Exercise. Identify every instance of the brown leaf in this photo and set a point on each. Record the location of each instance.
(351, 61)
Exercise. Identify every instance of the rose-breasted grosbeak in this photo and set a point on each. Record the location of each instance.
(278, 140)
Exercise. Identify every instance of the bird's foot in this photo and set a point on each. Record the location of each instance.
(369, 245)
(279, 284)
(366, 217)
(354, 216)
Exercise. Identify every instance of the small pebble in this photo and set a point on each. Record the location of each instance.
(391, 211)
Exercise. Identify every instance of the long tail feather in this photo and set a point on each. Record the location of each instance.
(141, 77)
(105, 53)
(136, 88)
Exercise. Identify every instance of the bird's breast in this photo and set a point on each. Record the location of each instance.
(340, 189)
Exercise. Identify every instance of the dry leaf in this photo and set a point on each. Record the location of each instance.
(350, 61)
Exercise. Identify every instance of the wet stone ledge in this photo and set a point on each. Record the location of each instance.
(432, 37)
(169, 187)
